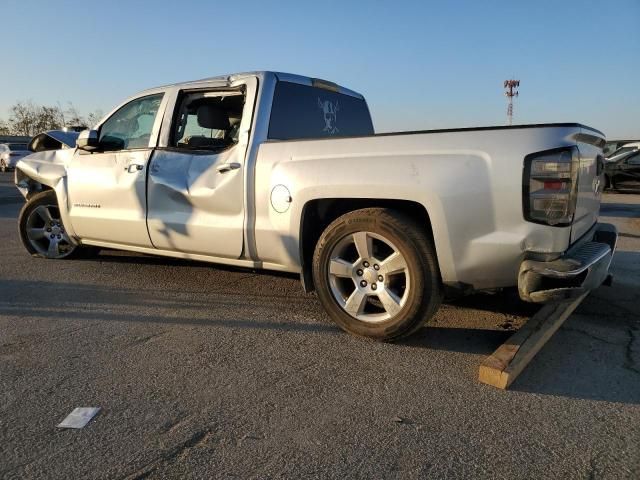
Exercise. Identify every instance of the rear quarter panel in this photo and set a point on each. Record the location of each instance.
(469, 182)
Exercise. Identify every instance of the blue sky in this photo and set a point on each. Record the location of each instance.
(420, 64)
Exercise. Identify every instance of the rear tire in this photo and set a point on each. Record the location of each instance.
(376, 274)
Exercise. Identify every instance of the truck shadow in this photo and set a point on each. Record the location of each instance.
(586, 368)
(57, 301)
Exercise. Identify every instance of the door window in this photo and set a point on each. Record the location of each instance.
(207, 121)
(130, 127)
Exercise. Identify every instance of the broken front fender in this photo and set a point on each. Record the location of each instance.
(47, 171)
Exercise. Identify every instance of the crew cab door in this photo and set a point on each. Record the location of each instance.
(196, 180)
(107, 187)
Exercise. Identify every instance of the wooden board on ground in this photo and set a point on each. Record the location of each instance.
(504, 365)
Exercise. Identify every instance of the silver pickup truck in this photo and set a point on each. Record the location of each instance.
(281, 172)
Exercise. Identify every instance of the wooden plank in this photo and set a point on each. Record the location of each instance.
(504, 365)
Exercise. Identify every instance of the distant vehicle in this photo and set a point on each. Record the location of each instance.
(10, 153)
(625, 149)
(613, 145)
(624, 172)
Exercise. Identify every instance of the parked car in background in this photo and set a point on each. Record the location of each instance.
(10, 153)
(613, 145)
(623, 150)
(623, 173)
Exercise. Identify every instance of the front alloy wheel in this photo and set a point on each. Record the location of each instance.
(41, 229)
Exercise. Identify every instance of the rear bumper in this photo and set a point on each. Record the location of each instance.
(583, 267)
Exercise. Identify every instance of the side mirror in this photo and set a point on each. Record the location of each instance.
(87, 140)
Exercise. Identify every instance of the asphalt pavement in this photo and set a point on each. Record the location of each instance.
(208, 372)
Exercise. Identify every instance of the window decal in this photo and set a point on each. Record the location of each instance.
(330, 112)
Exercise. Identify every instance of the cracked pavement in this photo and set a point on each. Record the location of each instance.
(208, 372)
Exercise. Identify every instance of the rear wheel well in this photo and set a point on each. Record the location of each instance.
(318, 214)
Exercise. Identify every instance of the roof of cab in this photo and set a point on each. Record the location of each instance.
(280, 76)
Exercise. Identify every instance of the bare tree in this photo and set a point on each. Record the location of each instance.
(29, 119)
(71, 117)
(4, 128)
(94, 117)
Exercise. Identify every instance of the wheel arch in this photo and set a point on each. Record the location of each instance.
(317, 214)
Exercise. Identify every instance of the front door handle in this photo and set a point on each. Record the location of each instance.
(227, 167)
(134, 167)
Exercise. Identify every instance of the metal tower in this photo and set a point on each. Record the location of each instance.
(510, 91)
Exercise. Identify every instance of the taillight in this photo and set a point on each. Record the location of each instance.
(550, 186)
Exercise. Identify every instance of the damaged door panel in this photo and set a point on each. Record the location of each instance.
(196, 185)
(192, 206)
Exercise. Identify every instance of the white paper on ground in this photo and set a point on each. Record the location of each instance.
(79, 417)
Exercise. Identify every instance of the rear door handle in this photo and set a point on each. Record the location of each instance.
(134, 167)
(227, 167)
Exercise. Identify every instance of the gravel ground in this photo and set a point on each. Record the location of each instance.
(207, 372)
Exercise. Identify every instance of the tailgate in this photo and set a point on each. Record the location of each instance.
(590, 182)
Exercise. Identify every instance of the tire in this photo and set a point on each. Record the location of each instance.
(376, 274)
(40, 227)
(3, 166)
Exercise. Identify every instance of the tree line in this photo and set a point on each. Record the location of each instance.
(28, 119)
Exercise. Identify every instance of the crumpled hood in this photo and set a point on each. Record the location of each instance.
(67, 138)
(64, 138)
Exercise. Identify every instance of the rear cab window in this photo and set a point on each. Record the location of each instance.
(306, 112)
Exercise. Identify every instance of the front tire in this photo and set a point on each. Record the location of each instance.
(376, 274)
(41, 229)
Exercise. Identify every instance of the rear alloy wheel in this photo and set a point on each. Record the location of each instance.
(41, 229)
(376, 274)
